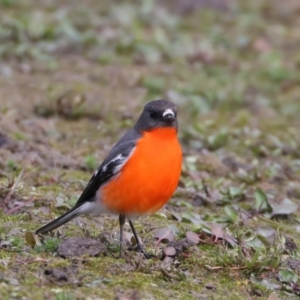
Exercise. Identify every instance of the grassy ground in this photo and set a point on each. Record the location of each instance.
(75, 76)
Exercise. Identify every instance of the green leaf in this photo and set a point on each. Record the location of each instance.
(287, 276)
(254, 260)
(261, 202)
(154, 84)
(235, 191)
(231, 213)
(91, 162)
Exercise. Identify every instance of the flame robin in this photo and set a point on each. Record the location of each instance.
(139, 175)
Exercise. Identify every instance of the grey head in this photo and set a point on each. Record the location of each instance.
(156, 114)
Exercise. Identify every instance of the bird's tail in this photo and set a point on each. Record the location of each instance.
(68, 216)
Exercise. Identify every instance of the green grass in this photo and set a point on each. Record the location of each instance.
(74, 79)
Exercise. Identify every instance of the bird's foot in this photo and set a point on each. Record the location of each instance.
(139, 247)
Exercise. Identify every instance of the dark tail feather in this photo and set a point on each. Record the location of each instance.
(68, 216)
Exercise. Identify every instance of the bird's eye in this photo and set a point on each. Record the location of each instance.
(153, 114)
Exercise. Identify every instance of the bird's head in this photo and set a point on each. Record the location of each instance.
(156, 114)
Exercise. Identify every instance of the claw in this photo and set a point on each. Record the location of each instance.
(140, 249)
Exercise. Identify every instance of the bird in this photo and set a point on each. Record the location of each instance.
(139, 174)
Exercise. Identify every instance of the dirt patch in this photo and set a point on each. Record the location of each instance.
(294, 264)
(128, 295)
(77, 246)
(181, 245)
(56, 275)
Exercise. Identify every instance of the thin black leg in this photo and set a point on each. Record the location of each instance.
(121, 222)
(138, 244)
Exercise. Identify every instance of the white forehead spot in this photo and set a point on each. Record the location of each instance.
(168, 111)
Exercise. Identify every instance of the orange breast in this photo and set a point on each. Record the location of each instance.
(150, 176)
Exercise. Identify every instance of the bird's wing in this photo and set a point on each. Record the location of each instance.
(111, 166)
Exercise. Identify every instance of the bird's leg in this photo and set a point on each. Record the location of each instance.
(139, 246)
(121, 222)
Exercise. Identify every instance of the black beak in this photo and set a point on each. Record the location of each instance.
(169, 117)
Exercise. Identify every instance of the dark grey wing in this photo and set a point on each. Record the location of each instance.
(112, 164)
(117, 157)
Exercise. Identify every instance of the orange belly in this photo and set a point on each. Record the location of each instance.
(150, 176)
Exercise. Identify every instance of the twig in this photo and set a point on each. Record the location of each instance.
(13, 188)
(167, 274)
(32, 260)
(238, 268)
(220, 268)
(140, 262)
(20, 206)
(205, 187)
(212, 268)
(248, 297)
